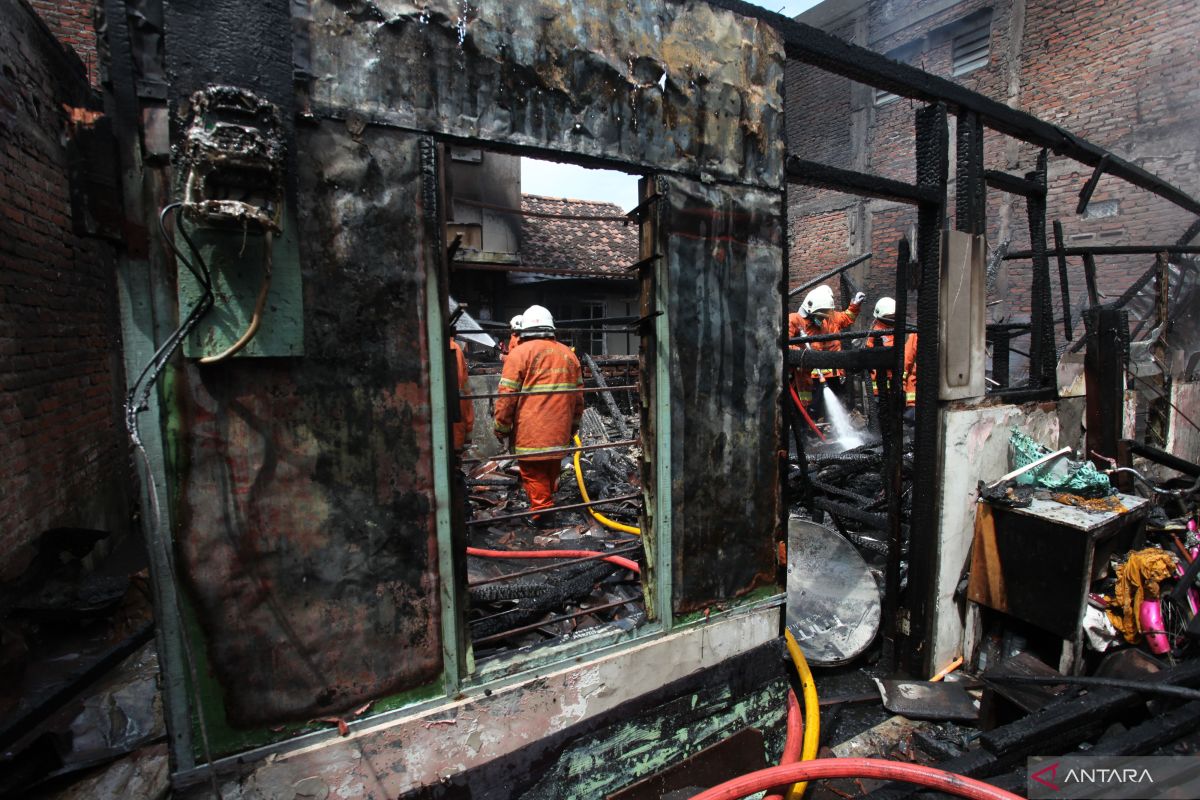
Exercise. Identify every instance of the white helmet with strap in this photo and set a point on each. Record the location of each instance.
(537, 321)
(515, 322)
(819, 299)
(885, 308)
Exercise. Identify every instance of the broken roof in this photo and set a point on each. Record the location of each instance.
(595, 247)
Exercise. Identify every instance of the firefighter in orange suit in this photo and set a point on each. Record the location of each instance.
(539, 422)
(885, 319)
(466, 408)
(818, 316)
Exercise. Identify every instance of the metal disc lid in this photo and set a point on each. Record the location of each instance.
(833, 602)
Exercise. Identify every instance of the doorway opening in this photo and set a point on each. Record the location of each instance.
(524, 233)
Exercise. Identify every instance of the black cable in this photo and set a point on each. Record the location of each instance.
(1162, 396)
(1146, 687)
(137, 401)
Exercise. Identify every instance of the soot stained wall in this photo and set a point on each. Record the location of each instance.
(305, 516)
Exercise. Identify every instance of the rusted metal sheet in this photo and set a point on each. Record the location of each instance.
(305, 488)
(678, 86)
(724, 272)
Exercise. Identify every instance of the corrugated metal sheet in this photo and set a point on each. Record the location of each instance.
(304, 500)
(725, 262)
(677, 86)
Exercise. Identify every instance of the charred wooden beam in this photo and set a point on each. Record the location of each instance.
(867, 358)
(1014, 185)
(1089, 188)
(1104, 368)
(1041, 348)
(970, 186)
(1115, 250)
(932, 173)
(811, 173)
(1064, 287)
(824, 276)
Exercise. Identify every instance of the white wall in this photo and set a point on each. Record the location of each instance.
(975, 442)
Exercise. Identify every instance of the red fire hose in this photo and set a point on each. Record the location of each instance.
(618, 560)
(794, 742)
(804, 412)
(820, 769)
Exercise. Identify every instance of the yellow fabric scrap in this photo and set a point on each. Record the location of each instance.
(1137, 580)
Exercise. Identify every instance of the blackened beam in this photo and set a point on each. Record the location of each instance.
(854, 262)
(876, 521)
(1163, 457)
(1089, 188)
(840, 337)
(811, 45)
(586, 389)
(812, 173)
(577, 322)
(1014, 185)
(867, 358)
(624, 220)
(462, 264)
(508, 576)
(1115, 250)
(553, 509)
(495, 637)
(562, 451)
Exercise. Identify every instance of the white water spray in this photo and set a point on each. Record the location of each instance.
(847, 437)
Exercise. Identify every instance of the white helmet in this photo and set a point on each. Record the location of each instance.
(537, 318)
(515, 322)
(819, 299)
(886, 307)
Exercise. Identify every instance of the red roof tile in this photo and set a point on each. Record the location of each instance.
(586, 245)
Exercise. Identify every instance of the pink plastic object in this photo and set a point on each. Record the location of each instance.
(1150, 618)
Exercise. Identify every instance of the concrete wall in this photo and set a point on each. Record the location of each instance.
(61, 433)
(975, 449)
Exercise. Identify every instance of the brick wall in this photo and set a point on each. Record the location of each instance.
(64, 458)
(1119, 72)
(72, 22)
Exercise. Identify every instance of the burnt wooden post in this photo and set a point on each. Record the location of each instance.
(1000, 356)
(1064, 288)
(917, 603)
(970, 188)
(1104, 368)
(1042, 356)
(891, 425)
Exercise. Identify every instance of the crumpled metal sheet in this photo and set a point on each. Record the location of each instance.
(679, 86)
(725, 266)
(305, 487)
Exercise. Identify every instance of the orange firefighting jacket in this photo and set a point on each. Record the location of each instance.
(910, 361)
(466, 408)
(540, 421)
(834, 322)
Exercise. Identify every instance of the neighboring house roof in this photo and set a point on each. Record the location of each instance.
(589, 246)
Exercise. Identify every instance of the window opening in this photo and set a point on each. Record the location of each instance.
(516, 242)
(971, 46)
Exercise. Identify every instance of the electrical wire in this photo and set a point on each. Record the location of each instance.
(137, 401)
(826, 768)
(259, 305)
(603, 520)
(812, 712)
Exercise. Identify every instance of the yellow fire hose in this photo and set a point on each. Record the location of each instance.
(812, 715)
(603, 520)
